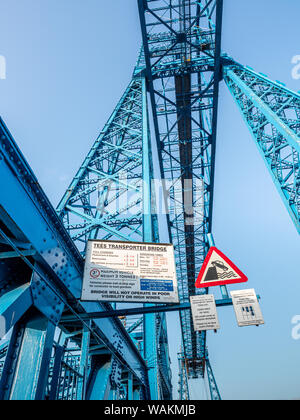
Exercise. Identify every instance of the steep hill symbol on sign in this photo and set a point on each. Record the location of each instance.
(218, 270)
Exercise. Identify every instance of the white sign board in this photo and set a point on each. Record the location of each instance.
(247, 308)
(130, 272)
(204, 312)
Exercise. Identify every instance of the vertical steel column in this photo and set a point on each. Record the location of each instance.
(83, 368)
(58, 358)
(147, 170)
(136, 394)
(213, 387)
(184, 392)
(150, 337)
(11, 361)
(30, 373)
(182, 47)
(130, 387)
(99, 386)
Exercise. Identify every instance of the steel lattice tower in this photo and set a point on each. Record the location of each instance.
(182, 43)
(54, 348)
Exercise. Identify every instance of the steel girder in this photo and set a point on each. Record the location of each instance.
(110, 198)
(213, 387)
(272, 114)
(183, 384)
(52, 274)
(182, 46)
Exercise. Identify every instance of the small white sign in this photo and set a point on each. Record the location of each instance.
(247, 308)
(204, 312)
(130, 272)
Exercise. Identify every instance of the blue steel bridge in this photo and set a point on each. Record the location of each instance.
(59, 348)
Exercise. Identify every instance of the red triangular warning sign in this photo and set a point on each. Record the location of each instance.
(218, 270)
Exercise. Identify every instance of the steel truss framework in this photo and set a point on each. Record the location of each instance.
(182, 44)
(53, 348)
(183, 385)
(272, 113)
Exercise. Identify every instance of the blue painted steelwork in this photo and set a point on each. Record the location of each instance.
(105, 198)
(140, 311)
(272, 114)
(98, 355)
(110, 198)
(13, 305)
(84, 363)
(3, 351)
(182, 48)
(213, 387)
(69, 367)
(26, 367)
(50, 280)
(183, 383)
(55, 372)
(32, 367)
(99, 387)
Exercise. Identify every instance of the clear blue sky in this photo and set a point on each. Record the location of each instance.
(68, 62)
